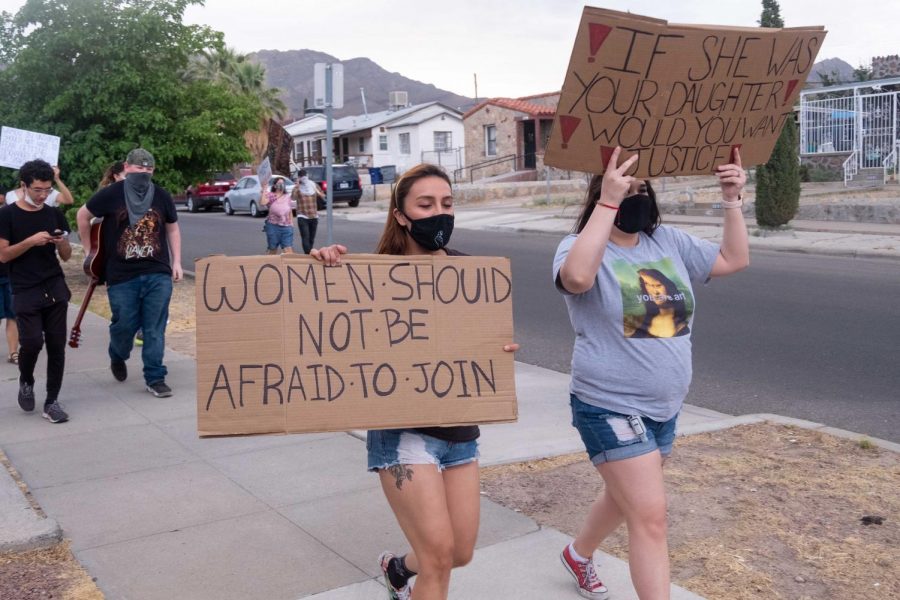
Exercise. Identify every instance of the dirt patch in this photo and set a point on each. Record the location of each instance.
(182, 322)
(758, 509)
(49, 573)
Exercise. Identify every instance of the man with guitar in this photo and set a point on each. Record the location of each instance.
(31, 236)
(142, 243)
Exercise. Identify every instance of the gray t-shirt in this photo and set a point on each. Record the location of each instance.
(632, 350)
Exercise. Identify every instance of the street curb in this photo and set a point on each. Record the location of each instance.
(803, 424)
(22, 526)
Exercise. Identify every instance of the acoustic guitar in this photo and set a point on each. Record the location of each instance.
(93, 266)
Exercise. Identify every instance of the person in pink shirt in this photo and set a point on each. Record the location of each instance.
(279, 225)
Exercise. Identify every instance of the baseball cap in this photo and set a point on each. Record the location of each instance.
(141, 158)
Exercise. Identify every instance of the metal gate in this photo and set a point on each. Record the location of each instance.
(877, 114)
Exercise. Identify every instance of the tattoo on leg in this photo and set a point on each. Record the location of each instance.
(401, 473)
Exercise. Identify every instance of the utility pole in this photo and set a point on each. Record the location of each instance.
(329, 179)
(476, 85)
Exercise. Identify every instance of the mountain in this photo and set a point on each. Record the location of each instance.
(292, 71)
(835, 68)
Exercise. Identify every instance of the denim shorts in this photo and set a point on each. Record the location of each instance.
(390, 447)
(279, 236)
(609, 436)
(6, 309)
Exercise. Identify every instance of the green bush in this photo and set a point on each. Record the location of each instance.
(778, 181)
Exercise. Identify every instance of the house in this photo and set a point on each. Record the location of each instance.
(508, 134)
(402, 136)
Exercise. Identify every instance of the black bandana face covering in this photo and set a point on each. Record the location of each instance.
(432, 233)
(634, 213)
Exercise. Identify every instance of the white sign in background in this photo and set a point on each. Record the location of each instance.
(337, 85)
(18, 146)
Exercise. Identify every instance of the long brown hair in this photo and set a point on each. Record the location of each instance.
(593, 195)
(394, 238)
(109, 176)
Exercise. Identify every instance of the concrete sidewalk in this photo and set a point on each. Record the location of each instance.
(833, 238)
(153, 511)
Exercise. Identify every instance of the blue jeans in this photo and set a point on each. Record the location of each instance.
(609, 436)
(278, 236)
(391, 447)
(141, 303)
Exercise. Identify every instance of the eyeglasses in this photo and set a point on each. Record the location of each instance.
(41, 191)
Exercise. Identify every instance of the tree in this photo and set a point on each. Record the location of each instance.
(778, 181)
(106, 76)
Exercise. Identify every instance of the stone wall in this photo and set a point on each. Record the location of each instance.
(884, 67)
(832, 162)
(505, 122)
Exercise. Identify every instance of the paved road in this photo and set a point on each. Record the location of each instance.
(803, 336)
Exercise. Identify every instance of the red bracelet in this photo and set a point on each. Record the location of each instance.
(615, 208)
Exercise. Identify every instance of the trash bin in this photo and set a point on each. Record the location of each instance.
(375, 175)
(388, 173)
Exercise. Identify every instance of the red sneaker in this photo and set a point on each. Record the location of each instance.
(589, 585)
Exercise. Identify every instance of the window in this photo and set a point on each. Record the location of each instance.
(404, 143)
(443, 141)
(362, 145)
(490, 140)
(382, 142)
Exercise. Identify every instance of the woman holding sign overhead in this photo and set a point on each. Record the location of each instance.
(627, 282)
(429, 475)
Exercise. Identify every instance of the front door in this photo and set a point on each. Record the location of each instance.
(530, 145)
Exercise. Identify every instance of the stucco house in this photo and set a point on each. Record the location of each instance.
(401, 136)
(505, 135)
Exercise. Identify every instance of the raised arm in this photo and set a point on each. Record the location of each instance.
(734, 253)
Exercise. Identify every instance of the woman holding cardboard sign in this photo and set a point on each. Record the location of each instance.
(627, 285)
(429, 475)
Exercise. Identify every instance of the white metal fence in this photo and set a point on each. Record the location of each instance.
(865, 126)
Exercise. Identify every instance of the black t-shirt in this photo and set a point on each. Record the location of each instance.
(38, 265)
(139, 250)
(462, 433)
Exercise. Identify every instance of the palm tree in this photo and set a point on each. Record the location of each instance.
(236, 72)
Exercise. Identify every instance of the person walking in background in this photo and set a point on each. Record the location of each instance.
(307, 193)
(142, 244)
(8, 314)
(279, 228)
(59, 194)
(429, 475)
(114, 173)
(627, 280)
(31, 236)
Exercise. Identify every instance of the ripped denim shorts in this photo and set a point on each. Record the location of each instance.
(609, 436)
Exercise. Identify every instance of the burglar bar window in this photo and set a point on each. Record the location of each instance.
(490, 140)
(443, 141)
(404, 143)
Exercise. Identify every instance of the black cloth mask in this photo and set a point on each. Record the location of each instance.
(432, 233)
(138, 195)
(634, 213)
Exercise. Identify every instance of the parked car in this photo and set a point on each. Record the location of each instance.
(245, 195)
(208, 194)
(345, 180)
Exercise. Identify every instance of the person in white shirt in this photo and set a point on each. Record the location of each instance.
(60, 196)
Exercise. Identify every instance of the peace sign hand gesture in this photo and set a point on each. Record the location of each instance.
(616, 183)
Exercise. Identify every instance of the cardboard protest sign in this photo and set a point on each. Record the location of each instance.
(287, 345)
(18, 146)
(680, 96)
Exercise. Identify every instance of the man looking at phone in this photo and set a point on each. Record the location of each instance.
(31, 236)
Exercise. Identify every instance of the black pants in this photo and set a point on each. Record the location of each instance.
(307, 229)
(40, 324)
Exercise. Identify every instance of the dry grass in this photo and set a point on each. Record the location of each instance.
(760, 509)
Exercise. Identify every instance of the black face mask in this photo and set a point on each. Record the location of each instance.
(634, 213)
(432, 233)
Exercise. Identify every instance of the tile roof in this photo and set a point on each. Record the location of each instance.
(517, 104)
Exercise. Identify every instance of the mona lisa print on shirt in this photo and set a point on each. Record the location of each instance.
(655, 301)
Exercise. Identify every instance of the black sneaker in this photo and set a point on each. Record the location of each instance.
(54, 413)
(26, 397)
(159, 389)
(119, 370)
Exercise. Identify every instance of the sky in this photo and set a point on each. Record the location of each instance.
(516, 47)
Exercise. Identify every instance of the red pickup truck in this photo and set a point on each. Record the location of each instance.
(208, 194)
